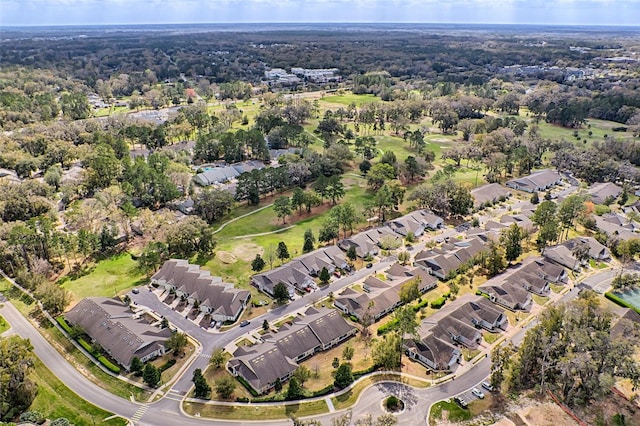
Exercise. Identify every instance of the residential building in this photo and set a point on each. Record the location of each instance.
(537, 181)
(489, 194)
(511, 296)
(381, 297)
(367, 243)
(602, 192)
(442, 262)
(318, 330)
(221, 301)
(300, 272)
(121, 333)
(416, 222)
(597, 250)
(433, 353)
(562, 256)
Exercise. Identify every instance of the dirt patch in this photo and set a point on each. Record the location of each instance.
(546, 414)
(247, 251)
(226, 257)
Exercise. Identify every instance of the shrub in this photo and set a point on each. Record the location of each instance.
(108, 364)
(353, 318)
(360, 373)
(32, 417)
(246, 384)
(390, 326)
(438, 303)
(87, 347)
(63, 324)
(242, 399)
(327, 389)
(422, 304)
(167, 365)
(618, 301)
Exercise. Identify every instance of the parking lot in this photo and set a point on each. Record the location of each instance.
(468, 395)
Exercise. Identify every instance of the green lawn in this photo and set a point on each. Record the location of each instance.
(55, 400)
(4, 325)
(455, 413)
(348, 98)
(253, 412)
(108, 278)
(540, 300)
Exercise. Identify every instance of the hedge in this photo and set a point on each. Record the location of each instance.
(242, 399)
(63, 324)
(422, 304)
(246, 384)
(360, 373)
(87, 347)
(618, 301)
(353, 318)
(325, 390)
(391, 325)
(167, 365)
(438, 303)
(110, 366)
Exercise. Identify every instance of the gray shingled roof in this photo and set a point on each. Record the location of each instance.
(111, 323)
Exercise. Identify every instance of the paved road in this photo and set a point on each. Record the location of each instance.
(167, 411)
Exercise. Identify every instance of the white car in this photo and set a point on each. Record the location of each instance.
(477, 392)
(487, 386)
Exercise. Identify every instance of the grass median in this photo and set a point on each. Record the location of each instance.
(255, 412)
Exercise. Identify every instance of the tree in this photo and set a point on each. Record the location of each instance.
(280, 293)
(225, 387)
(324, 275)
(153, 255)
(535, 199)
(309, 239)
(334, 189)
(409, 291)
(212, 204)
(348, 352)
(297, 199)
(136, 366)
(386, 351)
(379, 174)
(282, 251)
(328, 230)
(202, 388)
(282, 207)
(545, 218)
(17, 390)
(364, 167)
(570, 209)
(500, 362)
(217, 357)
(404, 257)
(103, 167)
(277, 385)
(511, 239)
(177, 342)
(495, 261)
(351, 253)
(270, 254)
(190, 235)
(151, 375)
(294, 390)
(265, 325)
(54, 298)
(257, 264)
(344, 377)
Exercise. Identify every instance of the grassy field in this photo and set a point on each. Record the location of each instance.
(348, 98)
(4, 325)
(448, 410)
(70, 352)
(254, 412)
(108, 278)
(55, 400)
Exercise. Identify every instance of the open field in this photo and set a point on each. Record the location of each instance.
(347, 98)
(253, 412)
(55, 400)
(107, 278)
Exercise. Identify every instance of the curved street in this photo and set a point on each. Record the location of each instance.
(168, 410)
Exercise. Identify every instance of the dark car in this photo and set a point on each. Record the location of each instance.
(460, 401)
(135, 291)
(245, 323)
(369, 265)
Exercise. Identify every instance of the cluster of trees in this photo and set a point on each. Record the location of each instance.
(444, 197)
(570, 351)
(555, 220)
(17, 390)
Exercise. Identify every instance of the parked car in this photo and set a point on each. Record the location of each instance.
(337, 274)
(245, 323)
(487, 386)
(369, 265)
(477, 392)
(135, 291)
(460, 401)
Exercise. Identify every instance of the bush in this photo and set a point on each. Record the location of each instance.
(360, 373)
(87, 347)
(600, 209)
(390, 326)
(438, 303)
(167, 365)
(353, 318)
(242, 399)
(32, 417)
(108, 364)
(63, 324)
(422, 304)
(327, 389)
(246, 384)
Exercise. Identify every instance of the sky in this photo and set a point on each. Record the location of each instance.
(100, 12)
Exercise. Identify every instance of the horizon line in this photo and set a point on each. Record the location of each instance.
(327, 23)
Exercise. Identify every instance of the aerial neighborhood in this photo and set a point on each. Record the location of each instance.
(308, 225)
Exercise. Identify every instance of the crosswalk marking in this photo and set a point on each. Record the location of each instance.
(138, 414)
